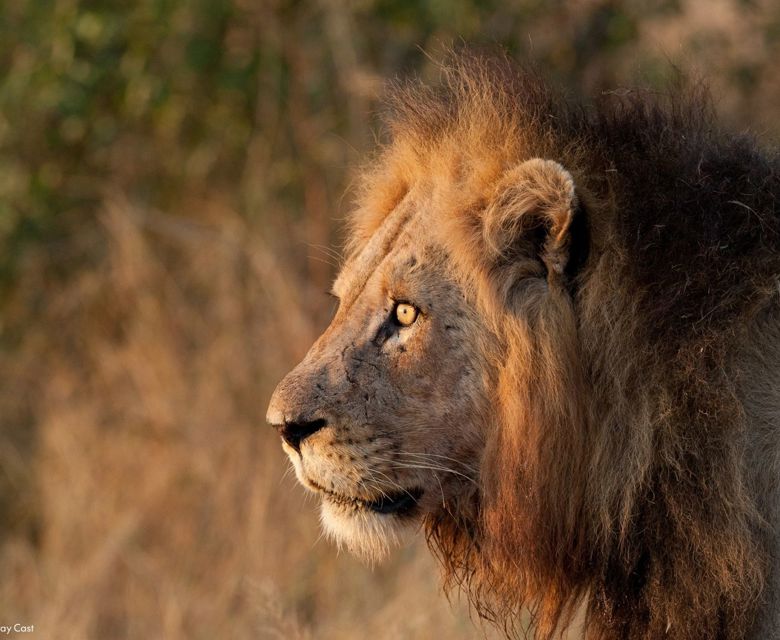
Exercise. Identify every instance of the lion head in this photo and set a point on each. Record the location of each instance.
(369, 417)
(514, 368)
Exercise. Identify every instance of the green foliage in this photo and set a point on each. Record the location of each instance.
(169, 101)
(143, 96)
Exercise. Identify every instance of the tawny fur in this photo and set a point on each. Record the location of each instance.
(618, 259)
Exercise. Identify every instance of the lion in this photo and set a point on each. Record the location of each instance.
(557, 353)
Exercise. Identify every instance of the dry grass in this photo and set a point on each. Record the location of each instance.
(160, 499)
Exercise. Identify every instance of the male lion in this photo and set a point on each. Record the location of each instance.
(557, 351)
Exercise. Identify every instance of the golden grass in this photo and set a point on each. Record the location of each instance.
(156, 489)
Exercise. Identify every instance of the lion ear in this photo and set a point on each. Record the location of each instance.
(532, 215)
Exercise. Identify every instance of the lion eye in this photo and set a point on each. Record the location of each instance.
(405, 314)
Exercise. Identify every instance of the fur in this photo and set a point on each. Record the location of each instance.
(618, 472)
(598, 320)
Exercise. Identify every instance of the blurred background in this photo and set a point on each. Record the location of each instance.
(172, 185)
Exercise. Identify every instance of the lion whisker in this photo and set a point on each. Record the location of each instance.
(328, 251)
(467, 468)
(389, 479)
(441, 488)
(431, 467)
(290, 469)
(324, 261)
(434, 455)
(371, 484)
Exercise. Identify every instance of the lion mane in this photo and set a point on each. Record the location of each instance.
(615, 479)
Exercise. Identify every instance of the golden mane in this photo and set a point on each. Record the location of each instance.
(615, 473)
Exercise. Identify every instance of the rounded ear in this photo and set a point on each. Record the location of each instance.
(531, 214)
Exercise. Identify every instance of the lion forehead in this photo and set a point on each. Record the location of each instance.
(405, 230)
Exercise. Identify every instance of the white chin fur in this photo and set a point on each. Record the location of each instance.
(370, 536)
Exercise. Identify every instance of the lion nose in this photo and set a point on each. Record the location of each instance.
(295, 406)
(293, 433)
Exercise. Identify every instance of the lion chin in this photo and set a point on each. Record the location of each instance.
(368, 525)
(368, 534)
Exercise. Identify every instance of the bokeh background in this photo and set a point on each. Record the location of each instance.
(172, 184)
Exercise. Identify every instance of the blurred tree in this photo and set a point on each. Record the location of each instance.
(265, 103)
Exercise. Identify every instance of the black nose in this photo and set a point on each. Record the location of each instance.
(293, 433)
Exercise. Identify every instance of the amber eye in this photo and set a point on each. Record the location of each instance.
(405, 314)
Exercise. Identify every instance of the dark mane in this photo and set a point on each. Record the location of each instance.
(632, 494)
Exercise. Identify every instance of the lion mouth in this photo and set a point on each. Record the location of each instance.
(397, 503)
